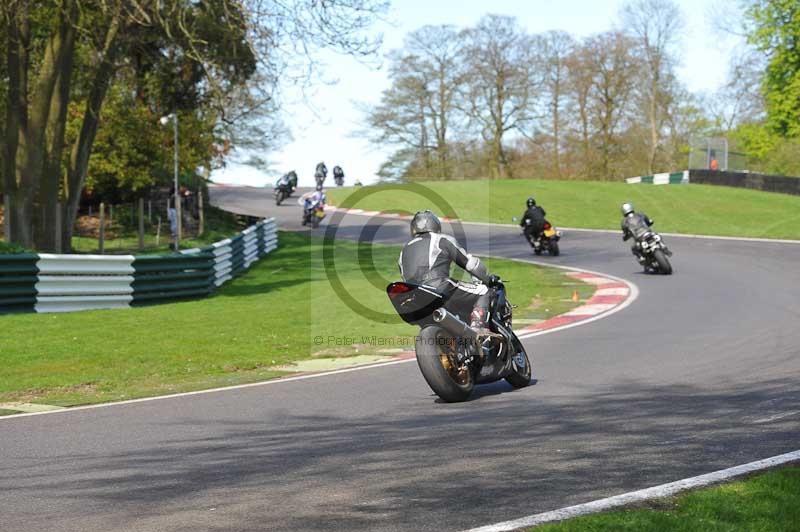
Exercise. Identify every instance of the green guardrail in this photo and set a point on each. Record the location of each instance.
(18, 277)
(159, 278)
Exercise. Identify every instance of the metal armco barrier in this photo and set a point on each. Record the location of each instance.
(66, 283)
(18, 277)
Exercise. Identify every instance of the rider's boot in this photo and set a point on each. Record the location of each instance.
(478, 322)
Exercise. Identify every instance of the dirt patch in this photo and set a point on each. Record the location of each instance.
(32, 396)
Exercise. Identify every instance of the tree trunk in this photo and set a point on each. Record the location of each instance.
(81, 149)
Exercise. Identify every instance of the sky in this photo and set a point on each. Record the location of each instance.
(327, 121)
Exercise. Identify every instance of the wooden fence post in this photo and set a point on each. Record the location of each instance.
(59, 212)
(102, 242)
(141, 223)
(7, 217)
(202, 219)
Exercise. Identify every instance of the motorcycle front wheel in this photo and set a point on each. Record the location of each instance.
(437, 357)
(279, 197)
(520, 375)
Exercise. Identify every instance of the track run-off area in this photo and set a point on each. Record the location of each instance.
(699, 373)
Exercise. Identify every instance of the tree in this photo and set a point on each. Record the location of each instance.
(500, 84)
(418, 111)
(612, 67)
(555, 49)
(774, 29)
(655, 25)
(185, 55)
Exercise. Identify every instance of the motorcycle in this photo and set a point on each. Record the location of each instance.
(655, 253)
(283, 189)
(450, 354)
(547, 240)
(313, 215)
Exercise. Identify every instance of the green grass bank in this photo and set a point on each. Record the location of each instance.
(699, 209)
(282, 311)
(766, 502)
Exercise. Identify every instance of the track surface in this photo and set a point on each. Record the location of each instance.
(700, 373)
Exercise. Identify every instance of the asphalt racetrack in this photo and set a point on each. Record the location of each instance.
(699, 373)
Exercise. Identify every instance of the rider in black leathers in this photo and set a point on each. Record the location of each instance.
(635, 225)
(426, 259)
(536, 215)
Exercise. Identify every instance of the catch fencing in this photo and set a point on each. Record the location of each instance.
(66, 283)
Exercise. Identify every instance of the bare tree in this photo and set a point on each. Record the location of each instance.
(655, 25)
(555, 49)
(612, 66)
(500, 83)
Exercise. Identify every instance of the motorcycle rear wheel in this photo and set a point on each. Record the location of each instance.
(437, 360)
(663, 263)
(554, 251)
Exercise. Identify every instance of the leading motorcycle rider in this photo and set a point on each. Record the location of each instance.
(536, 215)
(635, 225)
(426, 259)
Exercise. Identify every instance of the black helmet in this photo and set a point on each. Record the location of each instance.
(425, 222)
(531, 202)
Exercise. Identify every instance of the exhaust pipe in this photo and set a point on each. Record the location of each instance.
(452, 324)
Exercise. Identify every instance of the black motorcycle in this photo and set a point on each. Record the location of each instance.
(283, 189)
(655, 253)
(450, 354)
(546, 240)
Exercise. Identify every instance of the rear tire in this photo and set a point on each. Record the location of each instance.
(435, 350)
(520, 376)
(554, 251)
(314, 221)
(663, 263)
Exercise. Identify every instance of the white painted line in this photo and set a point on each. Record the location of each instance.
(776, 417)
(211, 390)
(590, 310)
(656, 492)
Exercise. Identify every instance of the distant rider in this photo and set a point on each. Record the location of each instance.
(292, 175)
(635, 225)
(338, 173)
(321, 173)
(310, 200)
(426, 259)
(536, 215)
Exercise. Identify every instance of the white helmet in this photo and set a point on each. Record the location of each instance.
(627, 209)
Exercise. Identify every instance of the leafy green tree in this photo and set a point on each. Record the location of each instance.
(774, 28)
(214, 62)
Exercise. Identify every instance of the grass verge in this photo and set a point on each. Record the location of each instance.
(283, 310)
(701, 209)
(769, 501)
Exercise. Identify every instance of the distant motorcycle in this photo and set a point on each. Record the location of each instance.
(313, 215)
(283, 189)
(338, 175)
(450, 354)
(655, 253)
(547, 240)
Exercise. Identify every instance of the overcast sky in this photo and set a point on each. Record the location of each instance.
(325, 121)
